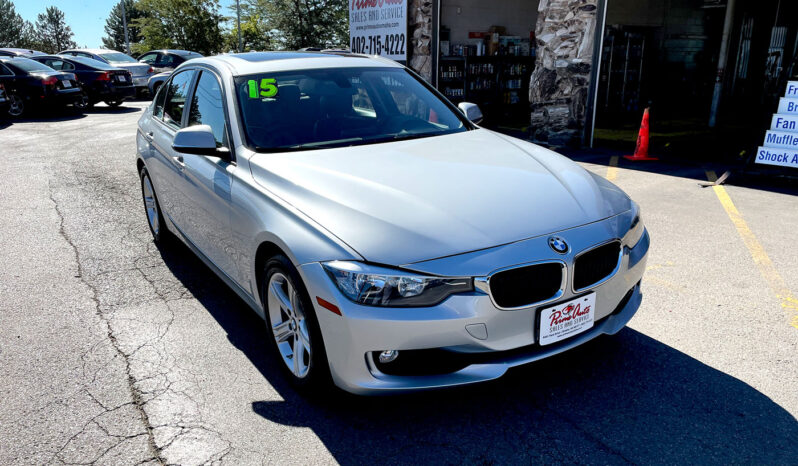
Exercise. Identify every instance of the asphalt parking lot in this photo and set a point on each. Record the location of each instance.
(114, 353)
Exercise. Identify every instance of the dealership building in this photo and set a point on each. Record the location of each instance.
(577, 72)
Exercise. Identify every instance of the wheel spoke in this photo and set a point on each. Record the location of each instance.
(285, 302)
(298, 354)
(282, 331)
(303, 336)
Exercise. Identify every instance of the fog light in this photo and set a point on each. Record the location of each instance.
(388, 356)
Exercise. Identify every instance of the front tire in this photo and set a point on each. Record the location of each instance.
(152, 208)
(113, 103)
(294, 333)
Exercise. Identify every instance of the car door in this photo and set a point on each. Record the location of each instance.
(208, 178)
(166, 165)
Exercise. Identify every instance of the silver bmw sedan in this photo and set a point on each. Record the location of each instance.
(388, 241)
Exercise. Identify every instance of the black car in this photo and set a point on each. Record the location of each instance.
(167, 59)
(29, 83)
(14, 52)
(3, 101)
(100, 81)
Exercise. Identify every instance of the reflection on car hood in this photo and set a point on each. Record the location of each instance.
(136, 69)
(407, 201)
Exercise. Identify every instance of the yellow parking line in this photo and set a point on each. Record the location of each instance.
(763, 262)
(612, 169)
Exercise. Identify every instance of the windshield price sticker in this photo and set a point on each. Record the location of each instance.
(267, 88)
(379, 27)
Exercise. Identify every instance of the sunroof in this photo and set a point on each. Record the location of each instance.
(268, 56)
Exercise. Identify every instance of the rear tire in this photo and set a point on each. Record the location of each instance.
(16, 105)
(153, 210)
(293, 328)
(83, 103)
(113, 103)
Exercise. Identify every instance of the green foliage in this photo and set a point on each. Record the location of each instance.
(255, 34)
(180, 24)
(52, 31)
(307, 23)
(114, 26)
(11, 25)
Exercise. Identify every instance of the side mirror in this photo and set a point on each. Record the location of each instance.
(197, 140)
(471, 111)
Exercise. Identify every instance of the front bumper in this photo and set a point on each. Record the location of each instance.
(511, 338)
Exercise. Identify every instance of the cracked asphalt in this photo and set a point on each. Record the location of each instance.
(114, 352)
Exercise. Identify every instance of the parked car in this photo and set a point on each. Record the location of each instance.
(167, 59)
(389, 242)
(14, 52)
(99, 81)
(3, 101)
(156, 81)
(141, 72)
(30, 83)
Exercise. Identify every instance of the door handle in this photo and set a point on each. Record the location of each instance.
(179, 160)
(148, 136)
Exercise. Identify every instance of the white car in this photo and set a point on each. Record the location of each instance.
(389, 242)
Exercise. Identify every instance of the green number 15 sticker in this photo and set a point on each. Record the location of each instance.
(268, 88)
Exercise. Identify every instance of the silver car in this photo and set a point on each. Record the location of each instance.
(141, 72)
(388, 241)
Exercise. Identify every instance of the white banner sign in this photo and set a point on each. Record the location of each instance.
(379, 27)
(788, 106)
(781, 142)
(783, 157)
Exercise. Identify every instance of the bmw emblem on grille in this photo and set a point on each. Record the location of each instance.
(558, 244)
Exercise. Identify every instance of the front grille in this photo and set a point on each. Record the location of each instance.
(526, 285)
(596, 265)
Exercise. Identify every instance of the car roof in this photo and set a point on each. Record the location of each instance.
(174, 51)
(19, 51)
(259, 62)
(82, 60)
(91, 50)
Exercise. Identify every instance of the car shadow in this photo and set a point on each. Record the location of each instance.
(622, 399)
(116, 110)
(41, 115)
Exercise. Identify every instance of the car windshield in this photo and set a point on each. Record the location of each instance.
(321, 108)
(117, 57)
(26, 64)
(96, 64)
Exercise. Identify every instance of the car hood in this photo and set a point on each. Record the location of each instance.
(407, 201)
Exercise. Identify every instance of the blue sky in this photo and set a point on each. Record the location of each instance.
(85, 17)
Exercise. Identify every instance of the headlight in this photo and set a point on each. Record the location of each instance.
(636, 228)
(379, 286)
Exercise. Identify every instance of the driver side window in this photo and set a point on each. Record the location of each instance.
(177, 91)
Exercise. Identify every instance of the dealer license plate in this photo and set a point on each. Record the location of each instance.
(567, 319)
(66, 83)
(121, 78)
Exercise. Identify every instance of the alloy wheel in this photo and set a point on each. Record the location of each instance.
(83, 102)
(288, 324)
(150, 205)
(16, 105)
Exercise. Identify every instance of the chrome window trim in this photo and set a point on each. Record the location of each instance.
(608, 277)
(482, 284)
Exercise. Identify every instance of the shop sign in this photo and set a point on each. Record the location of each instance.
(788, 106)
(379, 27)
(781, 142)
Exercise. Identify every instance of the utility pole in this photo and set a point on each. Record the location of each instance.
(722, 59)
(124, 24)
(238, 23)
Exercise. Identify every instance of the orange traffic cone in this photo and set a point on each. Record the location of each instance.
(641, 150)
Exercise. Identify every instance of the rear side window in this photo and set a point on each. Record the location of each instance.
(207, 107)
(4, 71)
(59, 65)
(176, 98)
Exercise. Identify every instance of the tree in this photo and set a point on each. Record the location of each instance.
(114, 26)
(308, 23)
(52, 31)
(11, 25)
(255, 29)
(183, 24)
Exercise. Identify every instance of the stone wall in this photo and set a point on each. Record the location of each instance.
(419, 55)
(558, 87)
